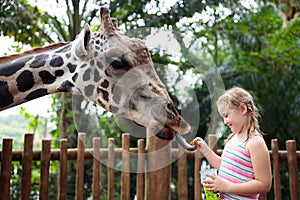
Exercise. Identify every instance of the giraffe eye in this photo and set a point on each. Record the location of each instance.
(118, 63)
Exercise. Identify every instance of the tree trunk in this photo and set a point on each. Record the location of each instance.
(158, 176)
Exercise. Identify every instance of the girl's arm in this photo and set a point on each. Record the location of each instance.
(213, 159)
(262, 171)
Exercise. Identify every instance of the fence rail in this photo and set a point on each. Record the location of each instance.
(291, 156)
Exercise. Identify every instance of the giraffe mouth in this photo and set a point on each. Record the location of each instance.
(168, 129)
(168, 132)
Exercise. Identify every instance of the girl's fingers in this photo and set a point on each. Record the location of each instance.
(211, 176)
(207, 182)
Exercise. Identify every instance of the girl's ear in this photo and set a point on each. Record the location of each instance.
(243, 109)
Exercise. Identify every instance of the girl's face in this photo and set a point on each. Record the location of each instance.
(235, 119)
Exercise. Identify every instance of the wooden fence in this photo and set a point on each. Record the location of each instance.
(290, 156)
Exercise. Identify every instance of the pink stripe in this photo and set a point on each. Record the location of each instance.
(229, 178)
(250, 196)
(237, 160)
(224, 196)
(242, 151)
(238, 171)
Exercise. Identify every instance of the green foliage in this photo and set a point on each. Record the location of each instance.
(24, 22)
(13, 126)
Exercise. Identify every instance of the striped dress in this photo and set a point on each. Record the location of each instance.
(236, 167)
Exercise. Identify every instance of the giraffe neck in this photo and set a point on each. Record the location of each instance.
(36, 73)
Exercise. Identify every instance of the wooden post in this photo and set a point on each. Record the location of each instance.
(158, 176)
(293, 169)
(182, 174)
(96, 168)
(45, 164)
(26, 167)
(79, 193)
(140, 180)
(197, 179)
(63, 170)
(276, 170)
(111, 172)
(125, 176)
(6, 169)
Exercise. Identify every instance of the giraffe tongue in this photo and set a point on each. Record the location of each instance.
(168, 134)
(184, 144)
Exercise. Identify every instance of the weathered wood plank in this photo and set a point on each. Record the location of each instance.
(79, 192)
(96, 168)
(140, 180)
(111, 164)
(27, 167)
(182, 174)
(45, 165)
(293, 169)
(276, 169)
(63, 170)
(125, 176)
(6, 169)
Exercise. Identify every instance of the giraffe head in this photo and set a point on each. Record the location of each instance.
(122, 79)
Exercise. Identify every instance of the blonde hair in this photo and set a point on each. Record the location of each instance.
(233, 99)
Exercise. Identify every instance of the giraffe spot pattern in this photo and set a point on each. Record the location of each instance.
(39, 61)
(113, 109)
(101, 103)
(71, 67)
(92, 62)
(117, 92)
(96, 76)
(66, 86)
(68, 55)
(59, 72)
(105, 84)
(56, 61)
(7, 69)
(47, 77)
(36, 94)
(74, 78)
(100, 65)
(86, 75)
(5, 96)
(89, 90)
(25, 81)
(83, 66)
(104, 94)
(64, 49)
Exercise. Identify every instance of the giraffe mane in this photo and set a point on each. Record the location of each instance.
(37, 50)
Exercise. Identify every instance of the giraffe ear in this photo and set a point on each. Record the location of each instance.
(81, 46)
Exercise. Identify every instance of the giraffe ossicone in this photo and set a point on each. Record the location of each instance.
(107, 67)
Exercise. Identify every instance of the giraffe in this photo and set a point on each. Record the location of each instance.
(106, 67)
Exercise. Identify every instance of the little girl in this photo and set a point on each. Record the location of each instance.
(244, 166)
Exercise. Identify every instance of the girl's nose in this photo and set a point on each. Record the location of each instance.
(225, 121)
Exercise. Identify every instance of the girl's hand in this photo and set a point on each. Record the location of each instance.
(203, 147)
(215, 184)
